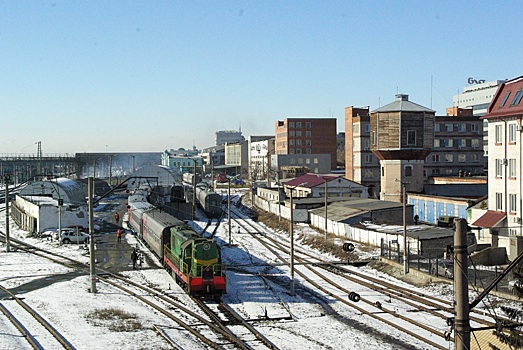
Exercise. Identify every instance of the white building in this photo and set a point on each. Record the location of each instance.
(502, 224)
(260, 148)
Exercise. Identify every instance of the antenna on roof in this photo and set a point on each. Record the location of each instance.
(240, 127)
(431, 91)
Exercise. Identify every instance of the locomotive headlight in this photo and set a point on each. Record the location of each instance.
(206, 246)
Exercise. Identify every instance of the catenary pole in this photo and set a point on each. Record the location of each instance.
(92, 272)
(291, 228)
(7, 247)
(325, 208)
(229, 210)
(462, 320)
(405, 249)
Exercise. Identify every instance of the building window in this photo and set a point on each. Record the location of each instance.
(308, 125)
(474, 127)
(499, 135)
(292, 133)
(308, 142)
(382, 171)
(298, 142)
(462, 127)
(300, 161)
(293, 161)
(449, 171)
(512, 168)
(512, 132)
(512, 232)
(298, 125)
(513, 202)
(298, 133)
(373, 137)
(475, 157)
(368, 158)
(435, 158)
(505, 98)
(499, 167)
(366, 145)
(435, 171)
(298, 150)
(368, 174)
(436, 143)
(436, 127)
(448, 127)
(462, 143)
(448, 142)
(291, 150)
(291, 125)
(411, 137)
(308, 151)
(462, 158)
(408, 171)
(308, 133)
(291, 142)
(307, 160)
(474, 143)
(517, 98)
(449, 158)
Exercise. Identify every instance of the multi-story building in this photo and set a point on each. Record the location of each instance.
(228, 136)
(503, 220)
(307, 136)
(458, 145)
(237, 155)
(478, 96)
(315, 163)
(260, 149)
(361, 165)
(181, 160)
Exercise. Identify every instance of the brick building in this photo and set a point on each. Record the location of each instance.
(307, 136)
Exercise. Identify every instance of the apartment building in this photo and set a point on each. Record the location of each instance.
(306, 136)
(502, 222)
(260, 150)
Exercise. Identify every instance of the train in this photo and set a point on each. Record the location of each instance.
(191, 259)
(210, 202)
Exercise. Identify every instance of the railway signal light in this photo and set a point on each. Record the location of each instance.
(348, 247)
(355, 297)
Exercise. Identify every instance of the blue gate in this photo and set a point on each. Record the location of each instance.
(450, 209)
(430, 212)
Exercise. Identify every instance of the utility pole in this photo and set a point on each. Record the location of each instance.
(405, 249)
(462, 320)
(229, 210)
(325, 208)
(60, 203)
(291, 229)
(92, 260)
(7, 247)
(193, 205)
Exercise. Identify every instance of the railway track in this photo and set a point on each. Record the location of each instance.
(34, 327)
(395, 312)
(208, 330)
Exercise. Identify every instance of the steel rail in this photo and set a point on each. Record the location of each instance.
(25, 333)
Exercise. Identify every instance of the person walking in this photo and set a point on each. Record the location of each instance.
(117, 217)
(134, 258)
(119, 235)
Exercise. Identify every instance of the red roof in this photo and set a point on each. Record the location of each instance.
(310, 180)
(508, 100)
(490, 219)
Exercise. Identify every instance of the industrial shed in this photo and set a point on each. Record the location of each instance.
(70, 191)
(37, 214)
(152, 175)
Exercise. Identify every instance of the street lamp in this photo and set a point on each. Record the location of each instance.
(229, 210)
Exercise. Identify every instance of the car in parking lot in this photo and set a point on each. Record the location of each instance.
(71, 235)
(444, 268)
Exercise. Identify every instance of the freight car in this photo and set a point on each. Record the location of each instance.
(210, 202)
(191, 179)
(194, 261)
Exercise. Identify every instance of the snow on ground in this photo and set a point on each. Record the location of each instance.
(67, 303)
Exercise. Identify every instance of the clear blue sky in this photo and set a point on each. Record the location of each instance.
(91, 76)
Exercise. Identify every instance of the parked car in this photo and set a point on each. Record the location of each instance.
(444, 268)
(70, 235)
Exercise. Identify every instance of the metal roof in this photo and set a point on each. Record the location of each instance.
(402, 104)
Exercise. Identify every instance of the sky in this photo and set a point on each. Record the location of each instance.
(139, 76)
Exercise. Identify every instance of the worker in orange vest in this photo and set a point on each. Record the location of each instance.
(119, 235)
(116, 217)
